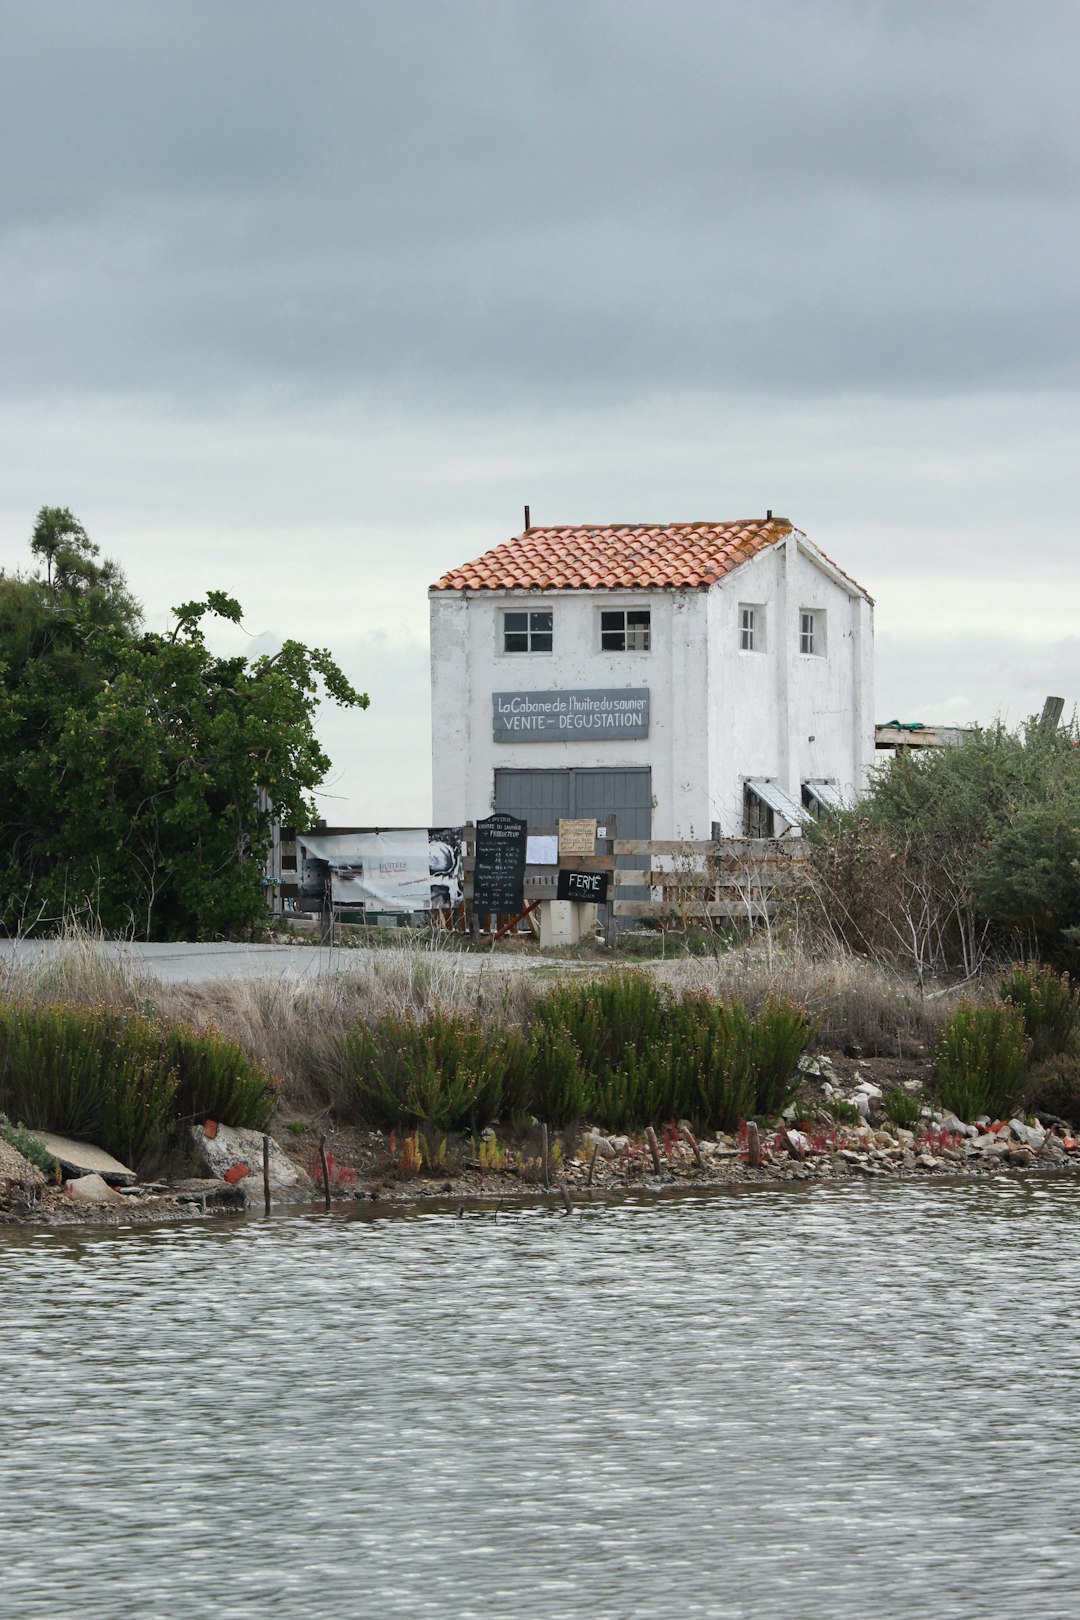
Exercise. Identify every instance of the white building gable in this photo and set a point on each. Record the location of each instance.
(651, 672)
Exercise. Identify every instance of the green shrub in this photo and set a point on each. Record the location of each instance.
(781, 1035)
(902, 1109)
(603, 1017)
(445, 1072)
(981, 1059)
(30, 1146)
(92, 1073)
(560, 1090)
(844, 1112)
(215, 1080)
(1048, 1005)
(121, 1079)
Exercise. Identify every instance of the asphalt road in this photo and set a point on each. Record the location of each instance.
(203, 964)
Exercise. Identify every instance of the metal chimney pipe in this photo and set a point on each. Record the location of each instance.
(528, 525)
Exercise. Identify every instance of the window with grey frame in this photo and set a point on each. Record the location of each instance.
(528, 632)
(625, 630)
(811, 631)
(747, 629)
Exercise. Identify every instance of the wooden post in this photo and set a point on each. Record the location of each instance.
(266, 1171)
(566, 1198)
(592, 1162)
(753, 1145)
(691, 1140)
(544, 1153)
(610, 930)
(1050, 718)
(650, 1137)
(325, 1171)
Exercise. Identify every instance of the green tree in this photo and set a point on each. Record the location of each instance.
(955, 851)
(140, 774)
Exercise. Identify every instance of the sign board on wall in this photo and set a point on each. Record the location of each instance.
(590, 887)
(499, 873)
(598, 714)
(577, 837)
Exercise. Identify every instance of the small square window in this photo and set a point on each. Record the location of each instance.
(812, 632)
(625, 631)
(527, 632)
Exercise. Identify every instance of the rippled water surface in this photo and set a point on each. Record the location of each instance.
(840, 1403)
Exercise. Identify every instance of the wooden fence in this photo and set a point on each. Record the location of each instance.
(669, 882)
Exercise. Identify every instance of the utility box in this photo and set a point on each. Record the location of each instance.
(564, 923)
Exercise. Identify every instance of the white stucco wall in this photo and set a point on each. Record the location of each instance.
(718, 715)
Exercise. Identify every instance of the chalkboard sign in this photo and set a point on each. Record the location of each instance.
(499, 875)
(590, 887)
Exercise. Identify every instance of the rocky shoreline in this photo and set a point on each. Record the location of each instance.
(501, 1168)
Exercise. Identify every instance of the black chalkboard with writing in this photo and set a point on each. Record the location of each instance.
(499, 875)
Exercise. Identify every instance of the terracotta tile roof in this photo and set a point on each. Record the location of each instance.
(627, 556)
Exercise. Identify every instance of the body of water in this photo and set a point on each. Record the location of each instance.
(846, 1402)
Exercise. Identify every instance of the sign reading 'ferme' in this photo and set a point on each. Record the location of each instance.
(596, 714)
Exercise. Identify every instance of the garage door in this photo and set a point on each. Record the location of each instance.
(541, 797)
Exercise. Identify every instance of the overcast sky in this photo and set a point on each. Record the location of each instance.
(304, 301)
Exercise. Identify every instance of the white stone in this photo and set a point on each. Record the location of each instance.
(82, 1157)
(868, 1089)
(91, 1190)
(232, 1146)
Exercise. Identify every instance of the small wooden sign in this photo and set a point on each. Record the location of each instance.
(577, 837)
(588, 888)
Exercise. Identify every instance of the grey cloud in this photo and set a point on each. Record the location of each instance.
(390, 201)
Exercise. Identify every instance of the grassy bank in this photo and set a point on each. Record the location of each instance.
(424, 1037)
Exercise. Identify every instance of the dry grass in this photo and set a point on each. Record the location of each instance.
(853, 1002)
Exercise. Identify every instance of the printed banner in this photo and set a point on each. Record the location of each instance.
(407, 869)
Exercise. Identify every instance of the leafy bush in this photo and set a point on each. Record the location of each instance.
(620, 1050)
(30, 1146)
(121, 1079)
(902, 1109)
(215, 1080)
(844, 1112)
(956, 850)
(981, 1059)
(604, 1017)
(1048, 1005)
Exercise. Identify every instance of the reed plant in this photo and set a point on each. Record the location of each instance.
(88, 1073)
(445, 1072)
(1048, 1005)
(982, 1059)
(216, 1080)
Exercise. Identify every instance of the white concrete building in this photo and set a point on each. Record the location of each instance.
(677, 676)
